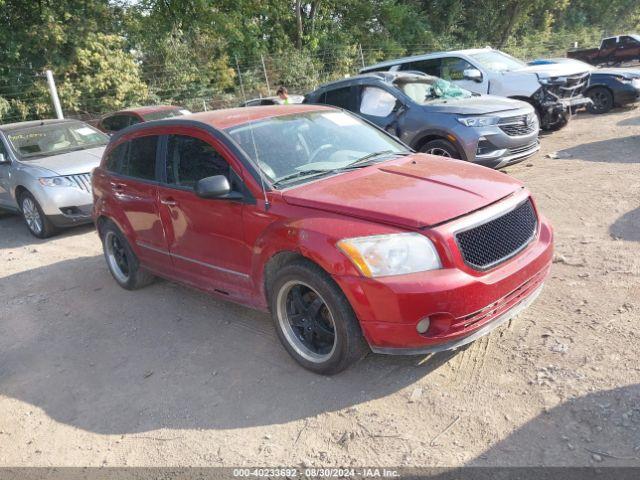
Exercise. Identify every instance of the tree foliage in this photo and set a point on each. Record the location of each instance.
(107, 54)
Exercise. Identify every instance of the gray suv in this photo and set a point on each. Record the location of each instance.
(435, 116)
(45, 170)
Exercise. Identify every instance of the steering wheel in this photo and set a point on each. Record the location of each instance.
(320, 149)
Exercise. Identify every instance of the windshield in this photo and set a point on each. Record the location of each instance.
(430, 89)
(177, 112)
(497, 61)
(314, 142)
(54, 138)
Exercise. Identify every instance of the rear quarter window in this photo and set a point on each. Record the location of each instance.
(113, 160)
(135, 158)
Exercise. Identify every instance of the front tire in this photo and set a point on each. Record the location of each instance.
(553, 123)
(122, 262)
(314, 320)
(37, 222)
(602, 100)
(440, 147)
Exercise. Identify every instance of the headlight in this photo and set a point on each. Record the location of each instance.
(394, 254)
(56, 182)
(552, 81)
(478, 121)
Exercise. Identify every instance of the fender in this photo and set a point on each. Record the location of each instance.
(311, 235)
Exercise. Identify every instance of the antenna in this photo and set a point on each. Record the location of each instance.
(267, 204)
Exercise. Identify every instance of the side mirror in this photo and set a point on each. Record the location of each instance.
(216, 187)
(3, 159)
(472, 74)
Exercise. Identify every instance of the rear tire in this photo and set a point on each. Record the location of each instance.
(602, 100)
(122, 262)
(314, 320)
(440, 147)
(37, 222)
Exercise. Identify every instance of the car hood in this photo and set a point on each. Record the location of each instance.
(476, 105)
(81, 161)
(415, 191)
(554, 70)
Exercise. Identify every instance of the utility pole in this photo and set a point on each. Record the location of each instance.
(266, 78)
(240, 77)
(54, 94)
(361, 55)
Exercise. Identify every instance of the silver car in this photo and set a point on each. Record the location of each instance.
(45, 172)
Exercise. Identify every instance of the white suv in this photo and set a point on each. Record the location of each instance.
(553, 90)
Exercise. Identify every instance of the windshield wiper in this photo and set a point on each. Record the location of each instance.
(302, 174)
(360, 162)
(371, 156)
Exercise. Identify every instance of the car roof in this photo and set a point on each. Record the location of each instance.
(147, 109)
(232, 117)
(383, 77)
(35, 123)
(426, 56)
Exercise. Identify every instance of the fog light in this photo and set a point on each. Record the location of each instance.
(423, 325)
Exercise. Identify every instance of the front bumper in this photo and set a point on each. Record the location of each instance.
(496, 146)
(522, 304)
(72, 215)
(458, 300)
(508, 156)
(574, 102)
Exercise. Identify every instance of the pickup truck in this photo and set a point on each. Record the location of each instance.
(612, 51)
(553, 90)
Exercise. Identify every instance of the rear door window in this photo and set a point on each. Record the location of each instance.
(609, 42)
(339, 97)
(430, 66)
(118, 122)
(139, 161)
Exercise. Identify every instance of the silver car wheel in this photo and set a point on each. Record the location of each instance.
(117, 257)
(32, 215)
(306, 321)
(438, 151)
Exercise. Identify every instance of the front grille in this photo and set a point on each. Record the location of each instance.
(81, 180)
(522, 148)
(486, 245)
(520, 125)
(573, 87)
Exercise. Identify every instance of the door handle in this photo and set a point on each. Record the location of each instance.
(118, 187)
(169, 202)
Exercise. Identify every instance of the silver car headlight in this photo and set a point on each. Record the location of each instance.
(56, 182)
(393, 254)
(478, 121)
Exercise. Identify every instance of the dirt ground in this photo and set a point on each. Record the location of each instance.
(93, 375)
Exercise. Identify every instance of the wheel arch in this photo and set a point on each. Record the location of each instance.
(18, 191)
(599, 85)
(428, 136)
(276, 262)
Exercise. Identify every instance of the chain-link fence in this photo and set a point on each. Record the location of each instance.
(207, 87)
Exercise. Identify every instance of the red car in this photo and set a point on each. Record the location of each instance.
(116, 121)
(349, 239)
